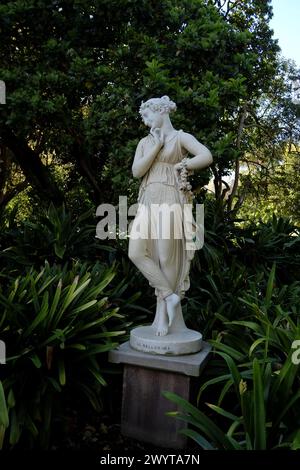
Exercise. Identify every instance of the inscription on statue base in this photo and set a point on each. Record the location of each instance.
(185, 341)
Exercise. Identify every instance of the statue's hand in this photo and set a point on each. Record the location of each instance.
(177, 169)
(158, 135)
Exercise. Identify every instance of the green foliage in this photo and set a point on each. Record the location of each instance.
(274, 188)
(55, 234)
(276, 240)
(60, 236)
(4, 420)
(82, 70)
(235, 260)
(261, 419)
(57, 325)
(256, 378)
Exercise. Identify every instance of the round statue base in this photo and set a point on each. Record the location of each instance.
(181, 342)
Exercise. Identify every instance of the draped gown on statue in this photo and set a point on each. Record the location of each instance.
(165, 263)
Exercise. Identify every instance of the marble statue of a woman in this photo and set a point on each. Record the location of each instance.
(164, 259)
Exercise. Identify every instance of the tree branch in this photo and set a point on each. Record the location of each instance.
(9, 195)
(37, 174)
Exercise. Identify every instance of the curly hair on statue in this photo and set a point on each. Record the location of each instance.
(163, 105)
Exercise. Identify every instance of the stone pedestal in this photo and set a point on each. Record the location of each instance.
(175, 343)
(145, 377)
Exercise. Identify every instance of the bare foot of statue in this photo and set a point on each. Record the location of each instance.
(172, 301)
(162, 324)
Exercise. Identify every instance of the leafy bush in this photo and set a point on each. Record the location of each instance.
(56, 324)
(233, 260)
(256, 382)
(275, 241)
(56, 235)
(59, 236)
(264, 416)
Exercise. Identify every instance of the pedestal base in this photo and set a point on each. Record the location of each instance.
(143, 406)
(181, 342)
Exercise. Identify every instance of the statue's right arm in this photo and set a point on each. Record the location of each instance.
(143, 161)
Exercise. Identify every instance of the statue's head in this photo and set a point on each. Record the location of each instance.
(154, 109)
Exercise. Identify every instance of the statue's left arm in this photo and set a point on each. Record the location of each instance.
(202, 156)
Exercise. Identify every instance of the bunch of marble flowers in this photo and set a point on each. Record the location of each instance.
(184, 184)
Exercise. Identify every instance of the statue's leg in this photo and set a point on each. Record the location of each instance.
(153, 260)
(169, 260)
(139, 255)
(160, 323)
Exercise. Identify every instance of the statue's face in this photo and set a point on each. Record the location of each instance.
(151, 118)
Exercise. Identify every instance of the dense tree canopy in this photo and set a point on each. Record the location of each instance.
(76, 72)
(269, 180)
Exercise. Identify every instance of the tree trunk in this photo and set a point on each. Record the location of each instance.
(35, 171)
(237, 160)
(86, 169)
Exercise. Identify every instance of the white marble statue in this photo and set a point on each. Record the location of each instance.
(161, 160)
